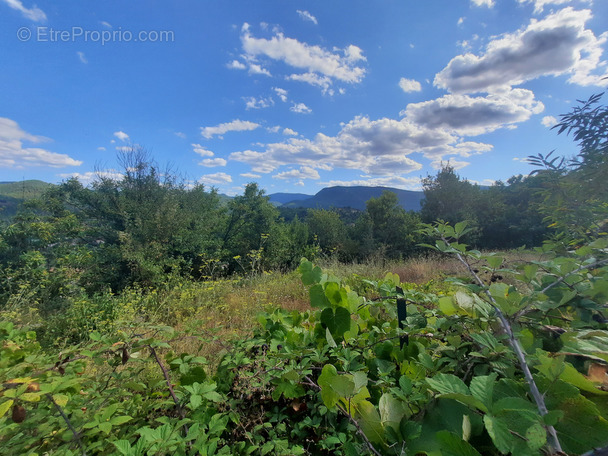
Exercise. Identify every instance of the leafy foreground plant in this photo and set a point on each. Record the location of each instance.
(341, 379)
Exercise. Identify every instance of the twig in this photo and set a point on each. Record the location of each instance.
(554, 444)
(68, 423)
(582, 268)
(167, 381)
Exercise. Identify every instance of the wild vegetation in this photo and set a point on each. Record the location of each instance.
(143, 317)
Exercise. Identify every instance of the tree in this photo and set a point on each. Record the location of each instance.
(328, 229)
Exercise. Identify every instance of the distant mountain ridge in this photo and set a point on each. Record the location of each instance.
(354, 197)
(12, 194)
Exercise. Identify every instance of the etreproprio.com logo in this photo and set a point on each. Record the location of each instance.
(80, 34)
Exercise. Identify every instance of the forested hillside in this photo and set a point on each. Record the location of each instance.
(115, 337)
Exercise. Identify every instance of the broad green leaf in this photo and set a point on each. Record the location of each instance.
(482, 388)
(499, 433)
(446, 305)
(330, 340)
(124, 446)
(317, 297)
(448, 383)
(368, 418)
(336, 320)
(452, 445)
(5, 407)
(466, 399)
(336, 295)
(105, 427)
(30, 397)
(118, 420)
(334, 386)
(392, 410)
(61, 399)
(537, 436)
(195, 401)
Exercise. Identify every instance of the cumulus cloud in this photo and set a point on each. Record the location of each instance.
(14, 155)
(236, 65)
(409, 85)
(289, 132)
(221, 129)
(202, 151)
(558, 44)
(300, 108)
(405, 183)
(549, 121)
(378, 147)
(121, 135)
(321, 66)
(258, 103)
(281, 93)
(250, 175)
(305, 172)
(212, 162)
(34, 14)
(305, 15)
(90, 176)
(215, 179)
(488, 3)
(470, 116)
(539, 5)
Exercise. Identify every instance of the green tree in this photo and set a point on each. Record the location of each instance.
(327, 228)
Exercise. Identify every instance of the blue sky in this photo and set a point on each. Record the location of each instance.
(293, 95)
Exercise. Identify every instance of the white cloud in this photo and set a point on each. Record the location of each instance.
(82, 57)
(409, 85)
(340, 65)
(488, 3)
(281, 93)
(14, 155)
(212, 162)
(101, 148)
(34, 14)
(121, 135)
(300, 108)
(180, 134)
(250, 175)
(235, 125)
(558, 44)
(202, 151)
(461, 20)
(539, 5)
(236, 65)
(106, 24)
(124, 148)
(405, 183)
(289, 132)
(90, 176)
(258, 103)
(274, 129)
(215, 179)
(470, 116)
(324, 82)
(255, 68)
(549, 121)
(305, 172)
(305, 15)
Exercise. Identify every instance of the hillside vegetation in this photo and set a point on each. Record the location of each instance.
(144, 317)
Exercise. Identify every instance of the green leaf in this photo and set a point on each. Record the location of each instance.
(118, 420)
(369, 420)
(124, 446)
(195, 401)
(317, 297)
(537, 436)
(30, 397)
(336, 295)
(447, 383)
(482, 388)
(333, 386)
(453, 445)
(105, 427)
(446, 305)
(499, 433)
(61, 399)
(5, 407)
(392, 410)
(336, 320)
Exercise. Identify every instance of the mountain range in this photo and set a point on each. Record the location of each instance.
(354, 197)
